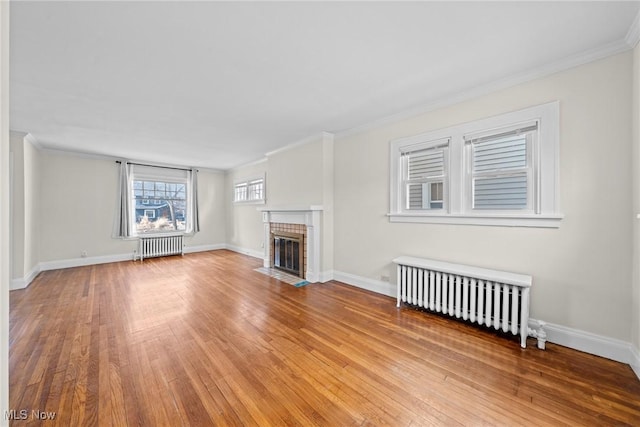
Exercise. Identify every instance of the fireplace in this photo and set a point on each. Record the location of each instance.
(288, 252)
(287, 222)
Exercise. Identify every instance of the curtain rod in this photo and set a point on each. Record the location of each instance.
(156, 166)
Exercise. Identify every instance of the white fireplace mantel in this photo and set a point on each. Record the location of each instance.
(310, 216)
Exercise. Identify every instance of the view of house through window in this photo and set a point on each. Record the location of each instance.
(159, 206)
(424, 175)
(500, 170)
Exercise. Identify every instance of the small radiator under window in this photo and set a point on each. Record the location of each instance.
(155, 246)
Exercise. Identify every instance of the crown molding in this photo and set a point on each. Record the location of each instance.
(17, 133)
(312, 138)
(321, 136)
(26, 137)
(504, 83)
(633, 35)
(33, 141)
(245, 165)
(93, 156)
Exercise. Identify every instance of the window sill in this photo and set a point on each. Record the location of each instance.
(161, 234)
(505, 220)
(249, 202)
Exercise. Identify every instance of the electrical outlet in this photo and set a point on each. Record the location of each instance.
(384, 278)
(83, 254)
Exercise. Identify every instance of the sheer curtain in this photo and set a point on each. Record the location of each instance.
(195, 216)
(122, 226)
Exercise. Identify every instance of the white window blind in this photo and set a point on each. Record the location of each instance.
(425, 163)
(425, 175)
(501, 169)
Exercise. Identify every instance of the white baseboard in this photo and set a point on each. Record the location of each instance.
(384, 288)
(81, 262)
(22, 283)
(203, 248)
(635, 361)
(245, 251)
(25, 281)
(610, 348)
(326, 276)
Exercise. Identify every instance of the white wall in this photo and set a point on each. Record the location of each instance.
(635, 300)
(25, 196)
(212, 210)
(245, 230)
(4, 210)
(78, 204)
(17, 204)
(32, 198)
(295, 175)
(328, 173)
(582, 270)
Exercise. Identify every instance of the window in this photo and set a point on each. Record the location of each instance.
(501, 172)
(251, 190)
(241, 192)
(156, 199)
(255, 189)
(424, 168)
(160, 197)
(496, 171)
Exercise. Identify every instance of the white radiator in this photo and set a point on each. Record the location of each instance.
(492, 298)
(154, 246)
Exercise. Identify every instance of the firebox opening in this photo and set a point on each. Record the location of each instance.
(288, 252)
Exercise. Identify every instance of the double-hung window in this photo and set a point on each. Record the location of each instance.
(502, 170)
(424, 176)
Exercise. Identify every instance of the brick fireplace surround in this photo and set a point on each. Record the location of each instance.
(301, 229)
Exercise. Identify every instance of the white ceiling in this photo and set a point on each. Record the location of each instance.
(217, 85)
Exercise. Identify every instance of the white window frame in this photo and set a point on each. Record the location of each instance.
(153, 213)
(249, 196)
(167, 175)
(530, 170)
(426, 182)
(543, 208)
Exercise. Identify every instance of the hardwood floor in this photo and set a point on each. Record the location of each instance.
(205, 340)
